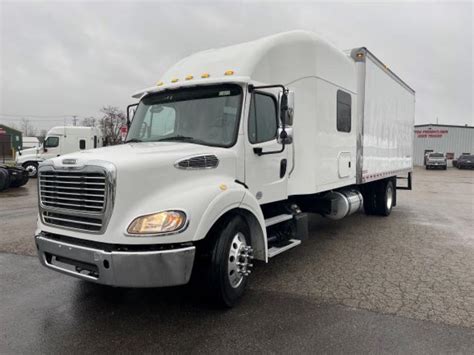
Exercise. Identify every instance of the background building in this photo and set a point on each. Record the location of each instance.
(448, 139)
(10, 142)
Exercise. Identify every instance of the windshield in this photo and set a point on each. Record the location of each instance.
(466, 157)
(206, 115)
(436, 155)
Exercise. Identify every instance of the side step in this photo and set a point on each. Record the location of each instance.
(275, 250)
(278, 219)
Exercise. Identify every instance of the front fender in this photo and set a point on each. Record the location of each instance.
(240, 199)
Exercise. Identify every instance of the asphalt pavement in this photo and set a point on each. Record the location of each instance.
(402, 284)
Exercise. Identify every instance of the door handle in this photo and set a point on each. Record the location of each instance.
(283, 165)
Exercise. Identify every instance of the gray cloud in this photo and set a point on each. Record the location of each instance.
(72, 58)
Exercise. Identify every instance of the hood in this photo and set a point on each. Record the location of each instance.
(25, 154)
(144, 155)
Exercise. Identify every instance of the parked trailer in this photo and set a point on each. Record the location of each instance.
(224, 158)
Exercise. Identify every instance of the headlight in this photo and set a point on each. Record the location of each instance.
(161, 222)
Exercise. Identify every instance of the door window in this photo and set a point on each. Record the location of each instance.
(51, 142)
(263, 121)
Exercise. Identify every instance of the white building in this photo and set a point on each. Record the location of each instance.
(448, 139)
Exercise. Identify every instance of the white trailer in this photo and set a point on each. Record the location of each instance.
(224, 158)
(59, 141)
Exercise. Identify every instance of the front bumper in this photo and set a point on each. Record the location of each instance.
(154, 268)
(436, 164)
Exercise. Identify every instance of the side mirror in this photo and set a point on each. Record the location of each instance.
(131, 109)
(287, 107)
(45, 149)
(285, 136)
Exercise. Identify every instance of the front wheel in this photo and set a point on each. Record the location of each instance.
(231, 257)
(32, 168)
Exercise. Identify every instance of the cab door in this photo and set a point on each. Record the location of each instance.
(266, 164)
(51, 147)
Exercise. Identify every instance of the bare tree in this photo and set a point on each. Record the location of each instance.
(110, 124)
(42, 135)
(27, 128)
(89, 122)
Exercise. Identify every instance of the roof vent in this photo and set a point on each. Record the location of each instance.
(198, 162)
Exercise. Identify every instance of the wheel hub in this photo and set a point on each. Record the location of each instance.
(239, 261)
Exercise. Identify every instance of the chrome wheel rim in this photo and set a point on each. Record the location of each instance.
(31, 169)
(389, 197)
(238, 261)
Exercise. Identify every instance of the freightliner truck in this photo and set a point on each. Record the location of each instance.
(225, 157)
(59, 141)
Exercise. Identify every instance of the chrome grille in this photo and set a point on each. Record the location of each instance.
(79, 198)
(73, 190)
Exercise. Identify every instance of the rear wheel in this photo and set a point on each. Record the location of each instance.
(32, 168)
(385, 197)
(379, 197)
(4, 179)
(230, 261)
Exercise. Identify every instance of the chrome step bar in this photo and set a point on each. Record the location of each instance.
(274, 251)
(277, 219)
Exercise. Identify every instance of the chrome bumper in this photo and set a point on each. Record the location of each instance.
(117, 268)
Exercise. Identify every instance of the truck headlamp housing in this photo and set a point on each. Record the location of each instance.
(156, 223)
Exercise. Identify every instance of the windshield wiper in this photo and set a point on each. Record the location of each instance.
(182, 139)
(175, 138)
(134, 140)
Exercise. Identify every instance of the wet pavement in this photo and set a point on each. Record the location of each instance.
(401, 284)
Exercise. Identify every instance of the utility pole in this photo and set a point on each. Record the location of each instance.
(74, 120)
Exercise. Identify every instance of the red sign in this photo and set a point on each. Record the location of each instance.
(430, 133)
(123, 132)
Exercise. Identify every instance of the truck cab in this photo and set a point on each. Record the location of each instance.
(59, 141)
(224, 157)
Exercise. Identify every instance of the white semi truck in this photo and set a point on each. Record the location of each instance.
(224, 158)
(59, 141)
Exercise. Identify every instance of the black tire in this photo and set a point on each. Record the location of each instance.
(32, 168)
(218, 276)
(368, 194)
(426, 167)
(445, 168)
(21, 181)
(4, 179)
(385, 197)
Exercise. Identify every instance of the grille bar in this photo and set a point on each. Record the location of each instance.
(73, 222)
(71, 188)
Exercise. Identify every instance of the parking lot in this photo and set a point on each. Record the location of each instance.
(364, 284)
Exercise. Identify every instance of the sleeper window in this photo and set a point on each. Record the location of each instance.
(343, 111)
(262, 119)
(82, 144)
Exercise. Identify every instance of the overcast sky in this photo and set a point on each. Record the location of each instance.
(71, 58)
